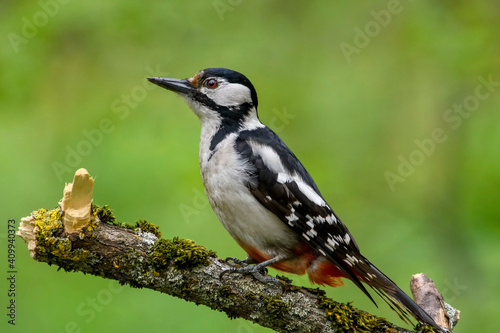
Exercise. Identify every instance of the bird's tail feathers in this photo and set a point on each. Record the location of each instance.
(397, 299)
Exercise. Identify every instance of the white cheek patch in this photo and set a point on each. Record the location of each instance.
(230, 94)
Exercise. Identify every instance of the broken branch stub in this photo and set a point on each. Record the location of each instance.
(428, 298)
(76, 203)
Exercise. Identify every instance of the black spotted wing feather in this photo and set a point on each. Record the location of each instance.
(285, 199)
(317, 224)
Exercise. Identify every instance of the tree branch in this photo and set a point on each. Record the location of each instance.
(138, 256)
(426, 295)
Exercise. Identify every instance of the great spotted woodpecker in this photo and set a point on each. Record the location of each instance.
(266, 199)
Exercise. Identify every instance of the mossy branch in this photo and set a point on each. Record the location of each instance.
(137, 255)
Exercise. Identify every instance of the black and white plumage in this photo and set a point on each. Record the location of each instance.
(264, 196)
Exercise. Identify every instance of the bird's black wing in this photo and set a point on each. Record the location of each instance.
(281, 184)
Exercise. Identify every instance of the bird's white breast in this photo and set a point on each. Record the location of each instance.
(224, 176)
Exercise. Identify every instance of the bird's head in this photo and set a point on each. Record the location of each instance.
(215, 92)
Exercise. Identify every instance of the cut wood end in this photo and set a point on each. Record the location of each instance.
(428, 298)
(77, 201)
(28, 233)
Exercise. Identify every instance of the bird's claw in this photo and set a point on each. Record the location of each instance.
(258, 272)
(236, 261)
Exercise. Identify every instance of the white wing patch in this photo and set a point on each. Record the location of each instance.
(310, 193)
(272, 160)
(269, 157)
(307, 190)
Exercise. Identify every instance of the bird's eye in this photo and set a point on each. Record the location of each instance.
(211, 83)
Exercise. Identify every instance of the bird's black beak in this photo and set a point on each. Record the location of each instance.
(175, 85)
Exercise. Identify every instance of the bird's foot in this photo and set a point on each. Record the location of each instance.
(258, 271)
(235, 261)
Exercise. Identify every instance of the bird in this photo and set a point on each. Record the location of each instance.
(266, 199)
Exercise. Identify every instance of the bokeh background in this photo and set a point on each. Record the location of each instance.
(384, 102)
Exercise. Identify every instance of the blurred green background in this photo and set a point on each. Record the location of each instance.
(384, 102)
